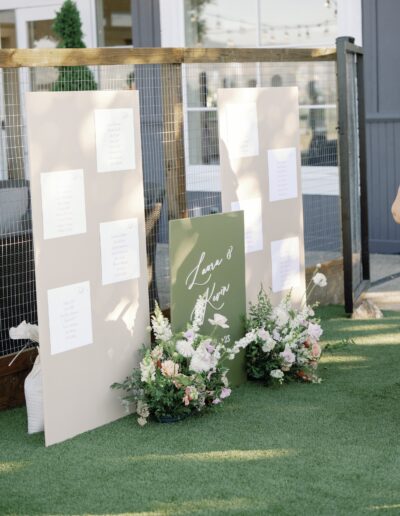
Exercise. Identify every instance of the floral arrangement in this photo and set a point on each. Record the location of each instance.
(282, 343)
(180, 374)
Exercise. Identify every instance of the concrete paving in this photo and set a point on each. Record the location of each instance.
(385, 281)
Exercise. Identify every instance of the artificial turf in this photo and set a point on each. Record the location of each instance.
(321, 449)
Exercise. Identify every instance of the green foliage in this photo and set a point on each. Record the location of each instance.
(68, 28)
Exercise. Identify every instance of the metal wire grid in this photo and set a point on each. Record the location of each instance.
(181, 171)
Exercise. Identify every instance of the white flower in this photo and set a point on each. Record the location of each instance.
(288, 356)
(161, 326)
(277, 373)
(276, 335)
(169, 368)
(268, 345)
(199, 312)
(184, 348)
(269, 342)
(142, 421)
(219, 320)
(157, 353)
(202, 360)
(148, 370)
(280, 315)
(314, 331)
(244, 341)
(320, 280)
(25, 331)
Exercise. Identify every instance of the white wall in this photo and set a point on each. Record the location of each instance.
(350, 19)
(172, 23)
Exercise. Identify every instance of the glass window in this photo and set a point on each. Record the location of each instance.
(203, 81)
(114, 23)
(221, 23)
(291, 22)
(41, 35)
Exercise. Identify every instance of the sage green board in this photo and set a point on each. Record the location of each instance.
(207, 258)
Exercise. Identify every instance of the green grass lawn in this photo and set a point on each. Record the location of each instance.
(328, 449)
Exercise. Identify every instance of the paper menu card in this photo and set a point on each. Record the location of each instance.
(242, 129)
(282, 174)
(70, 317)
(119, 242)
(63, 203)
(115, 139)
(253, 227)
(285, 258)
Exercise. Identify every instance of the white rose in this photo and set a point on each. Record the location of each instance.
(277, 373)
(202, 360)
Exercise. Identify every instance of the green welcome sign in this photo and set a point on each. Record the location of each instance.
(207, 259)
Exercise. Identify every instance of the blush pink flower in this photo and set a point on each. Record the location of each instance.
(169, 368)
(316, 350)
(225, 393)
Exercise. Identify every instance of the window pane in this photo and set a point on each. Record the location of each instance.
(291, 22)
(316, 81)
(203, 138)
(203, 81)
(318, 136)
(41, 35)
(221, 23)
(115, 23)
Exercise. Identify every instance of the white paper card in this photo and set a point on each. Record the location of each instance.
(285, 257)
(119, 250)
(63, 203)
(242, 129)
(252, 223)
(282, 168)
(115, 139)
(70, 317)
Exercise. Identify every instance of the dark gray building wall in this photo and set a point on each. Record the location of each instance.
(381, 41)
(146, 32)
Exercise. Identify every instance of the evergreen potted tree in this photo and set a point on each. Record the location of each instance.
(68, 28)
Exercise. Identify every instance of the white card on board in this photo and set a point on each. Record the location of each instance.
(119, 251)
(242, 129)
(70, 317)
(63, 203)
(282, 173)
(115, 139)
(253, 229)
(285, 258)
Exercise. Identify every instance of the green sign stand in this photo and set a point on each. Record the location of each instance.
(207, 258)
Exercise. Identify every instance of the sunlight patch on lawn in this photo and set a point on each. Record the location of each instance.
(383, 507)
(338, 359)
(11, 467)
(209, 506)
(378, 339)
(228, 455)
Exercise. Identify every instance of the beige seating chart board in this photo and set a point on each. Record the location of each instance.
(260, 174)
(90, 252)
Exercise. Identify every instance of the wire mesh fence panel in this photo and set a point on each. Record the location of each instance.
(179, 130)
